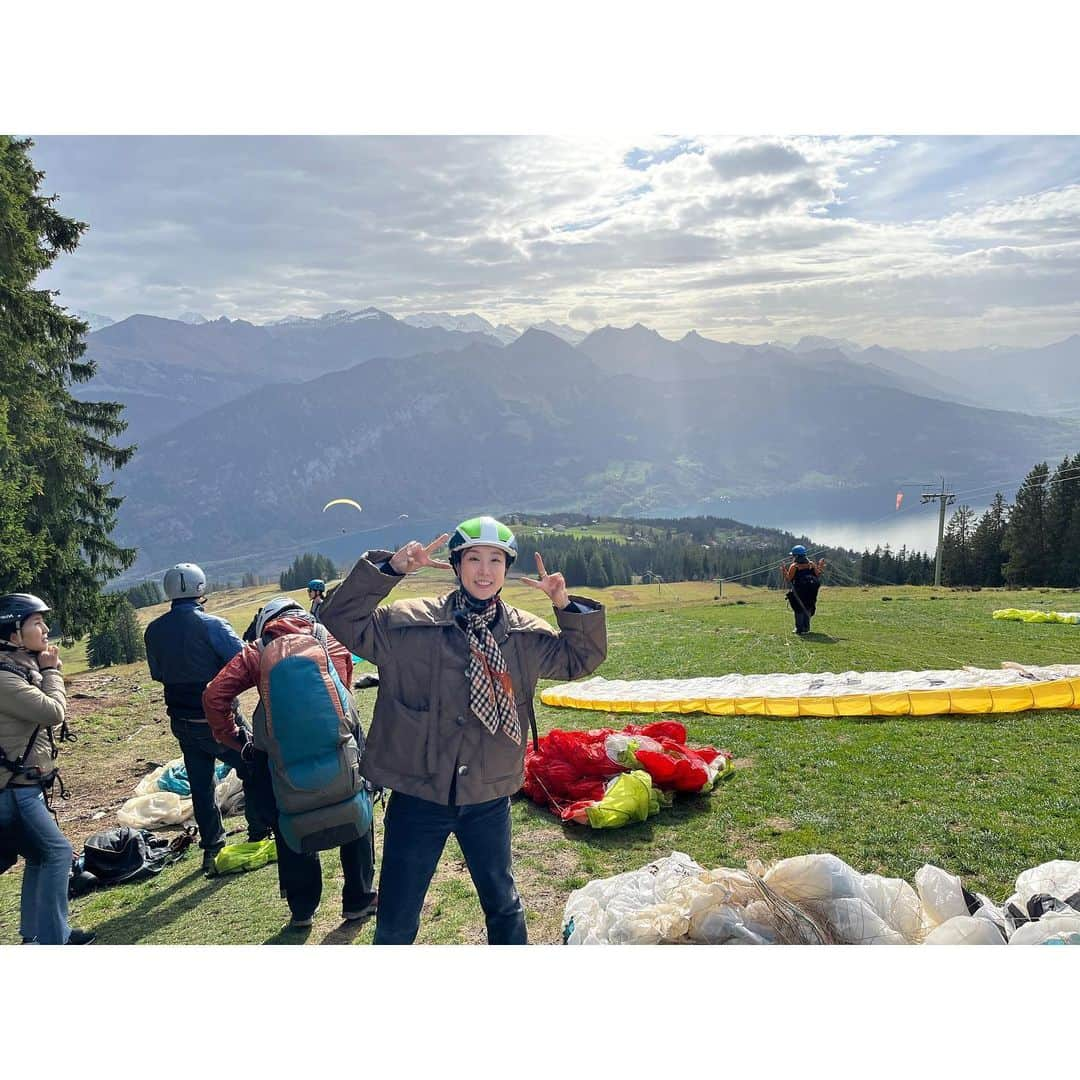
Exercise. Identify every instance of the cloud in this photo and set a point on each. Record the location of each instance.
(850, 236)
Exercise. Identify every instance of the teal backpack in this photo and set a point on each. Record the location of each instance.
(307, 725)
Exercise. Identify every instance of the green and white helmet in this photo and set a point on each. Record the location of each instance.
(483, 530)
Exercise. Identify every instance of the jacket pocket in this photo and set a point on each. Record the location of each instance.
(399, 738)
(501, 758)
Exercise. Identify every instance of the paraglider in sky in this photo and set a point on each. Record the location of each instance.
(400, 516)
(347, 502)
(899, 499)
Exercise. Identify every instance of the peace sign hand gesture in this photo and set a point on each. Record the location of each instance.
(552, 584)
(414, 555)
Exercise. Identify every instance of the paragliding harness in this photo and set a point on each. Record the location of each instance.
(16, 766)
(802, 596)
(125, 854)
(307, 725)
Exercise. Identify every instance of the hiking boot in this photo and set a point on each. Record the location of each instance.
(365, 912)
(81, 937)
(301, 922)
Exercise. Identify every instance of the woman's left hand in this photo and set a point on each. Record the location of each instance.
(552, 584)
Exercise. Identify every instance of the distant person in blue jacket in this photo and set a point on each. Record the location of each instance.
(185, 649)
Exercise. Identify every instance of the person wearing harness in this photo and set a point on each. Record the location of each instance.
(185, 649)
(316, 591)
(457, 676)
(32, 704)
(804, 577)
(299, 872)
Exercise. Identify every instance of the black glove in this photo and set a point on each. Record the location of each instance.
(247, 746)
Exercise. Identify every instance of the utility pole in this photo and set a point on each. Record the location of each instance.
(947, 498)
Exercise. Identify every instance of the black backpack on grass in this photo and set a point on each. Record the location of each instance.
(127, 854)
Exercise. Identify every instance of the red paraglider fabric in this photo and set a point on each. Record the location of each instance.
(570, 768)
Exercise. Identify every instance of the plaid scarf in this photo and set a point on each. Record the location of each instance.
(491, 692)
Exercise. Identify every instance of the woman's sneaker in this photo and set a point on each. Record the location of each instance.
(81, 937)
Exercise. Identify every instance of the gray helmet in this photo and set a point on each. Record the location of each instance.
(16, 608)
(184, 581)
(272, 609)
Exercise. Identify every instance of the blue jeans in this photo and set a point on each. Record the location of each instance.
(416, 832)
(43, 909)
(200, 750)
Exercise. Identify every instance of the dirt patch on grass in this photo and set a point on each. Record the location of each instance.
(779, 825)
(89, 694)
(742, 763)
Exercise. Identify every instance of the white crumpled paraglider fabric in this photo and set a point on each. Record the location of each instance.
(150, 807)
(815, 899)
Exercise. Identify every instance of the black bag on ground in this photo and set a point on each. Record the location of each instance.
(127, 854)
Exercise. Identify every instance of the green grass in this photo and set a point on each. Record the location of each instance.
(983, 797)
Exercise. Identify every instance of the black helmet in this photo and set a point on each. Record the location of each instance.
(16, 608)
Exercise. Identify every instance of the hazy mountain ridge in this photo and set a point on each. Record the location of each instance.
(541, 425)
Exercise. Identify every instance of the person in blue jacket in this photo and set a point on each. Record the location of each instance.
(185, 649)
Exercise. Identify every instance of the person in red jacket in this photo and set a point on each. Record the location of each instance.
(300, 875)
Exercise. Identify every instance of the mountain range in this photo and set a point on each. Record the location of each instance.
(437, 424)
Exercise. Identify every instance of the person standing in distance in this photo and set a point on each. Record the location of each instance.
(185, 649)
(804, 577)
(316, 591)
(457, 677)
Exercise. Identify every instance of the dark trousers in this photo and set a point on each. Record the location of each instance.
(804, 605)
(201, 750)
(299, 874)
(416, 833)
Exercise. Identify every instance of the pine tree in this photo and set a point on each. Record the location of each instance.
(304, 568)
(1062, 499)
(1025, 537)
(987, 539)
(956, 561)
(596, 576)
(145, 594)
(129, 638)
(58, 513)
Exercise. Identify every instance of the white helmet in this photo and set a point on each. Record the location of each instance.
(272, 609)
(184, 580)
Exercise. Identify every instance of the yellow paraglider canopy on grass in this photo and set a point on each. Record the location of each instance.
(1030, 616)
(1014, 688)
(346, 502)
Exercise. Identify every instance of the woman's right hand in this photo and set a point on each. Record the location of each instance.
(414, 555)
(49, 659)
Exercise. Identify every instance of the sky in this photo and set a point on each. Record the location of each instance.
(906, 240)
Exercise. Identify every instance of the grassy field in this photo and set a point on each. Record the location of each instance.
(983, 797)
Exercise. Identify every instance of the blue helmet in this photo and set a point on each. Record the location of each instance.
(317, 585)
(798, 549)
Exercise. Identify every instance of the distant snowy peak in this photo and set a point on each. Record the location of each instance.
(93, 320)
(333, 318)
(561, 330)
(813, 342)
(192, 318)
(470, 323)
